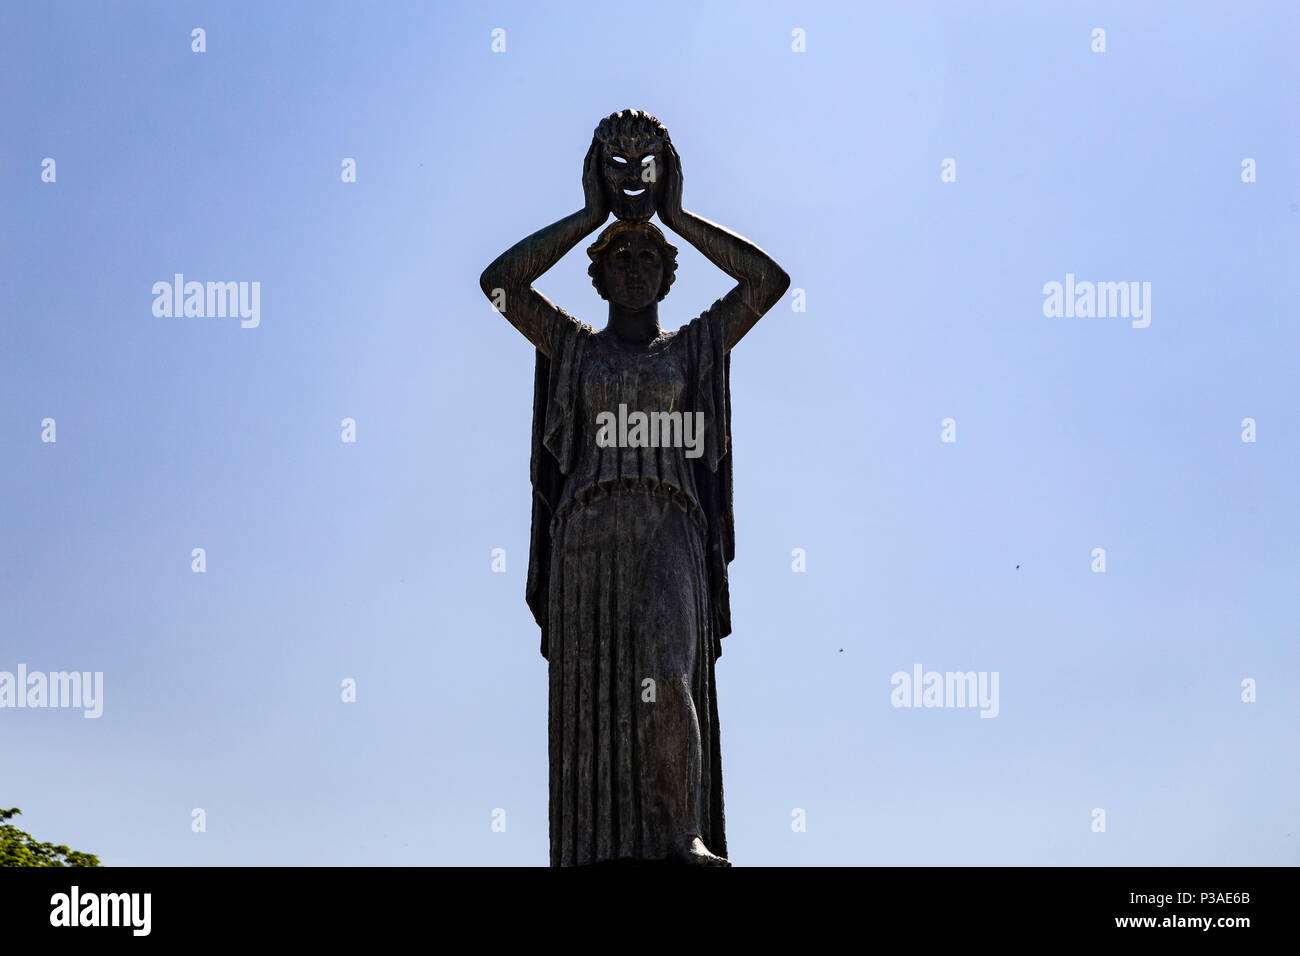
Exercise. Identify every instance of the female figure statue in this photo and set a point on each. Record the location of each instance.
(632, 522)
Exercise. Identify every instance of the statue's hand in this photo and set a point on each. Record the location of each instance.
(670, 200)
(596, 205)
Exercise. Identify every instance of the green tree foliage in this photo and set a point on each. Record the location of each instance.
(19, 849)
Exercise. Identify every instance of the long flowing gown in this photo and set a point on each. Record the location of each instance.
(628, 581)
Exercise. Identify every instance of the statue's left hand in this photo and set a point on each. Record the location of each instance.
(670, 200)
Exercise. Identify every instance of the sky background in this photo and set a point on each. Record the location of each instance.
(372, 561)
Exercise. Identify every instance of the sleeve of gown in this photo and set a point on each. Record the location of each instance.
(708, 361)
(705, 343)
(566, 339)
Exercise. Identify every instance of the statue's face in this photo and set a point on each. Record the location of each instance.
(631, 272)
(632, 170)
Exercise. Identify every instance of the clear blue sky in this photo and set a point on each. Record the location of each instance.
(372, 560)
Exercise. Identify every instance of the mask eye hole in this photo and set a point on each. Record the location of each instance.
(621, 160)
(648, 160)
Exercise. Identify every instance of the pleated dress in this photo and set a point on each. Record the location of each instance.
(631, 592)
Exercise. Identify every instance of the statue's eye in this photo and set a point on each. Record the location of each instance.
(622, 254)
(648, 160)
(649, 255)
(621, 160)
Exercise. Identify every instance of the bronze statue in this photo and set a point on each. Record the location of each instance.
(632, 524)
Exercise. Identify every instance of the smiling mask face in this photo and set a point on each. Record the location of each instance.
(632, 173)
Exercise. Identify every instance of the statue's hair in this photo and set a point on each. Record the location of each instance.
(630, 123)
(596, 252)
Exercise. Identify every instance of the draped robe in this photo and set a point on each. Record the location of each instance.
(627, 579)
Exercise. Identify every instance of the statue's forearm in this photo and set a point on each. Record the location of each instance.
(761, 279)
(528, 259)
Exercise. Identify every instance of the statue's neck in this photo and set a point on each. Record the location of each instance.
(637, 327)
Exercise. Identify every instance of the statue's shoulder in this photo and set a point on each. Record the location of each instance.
(563, 323)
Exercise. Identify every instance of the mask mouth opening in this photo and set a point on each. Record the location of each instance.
(634, 192)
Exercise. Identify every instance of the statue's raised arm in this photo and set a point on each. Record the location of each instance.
(760, 282)
(508, 281)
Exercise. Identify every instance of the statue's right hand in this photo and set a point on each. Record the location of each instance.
(597, 206)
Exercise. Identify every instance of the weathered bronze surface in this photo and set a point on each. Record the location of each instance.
(632, 507)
